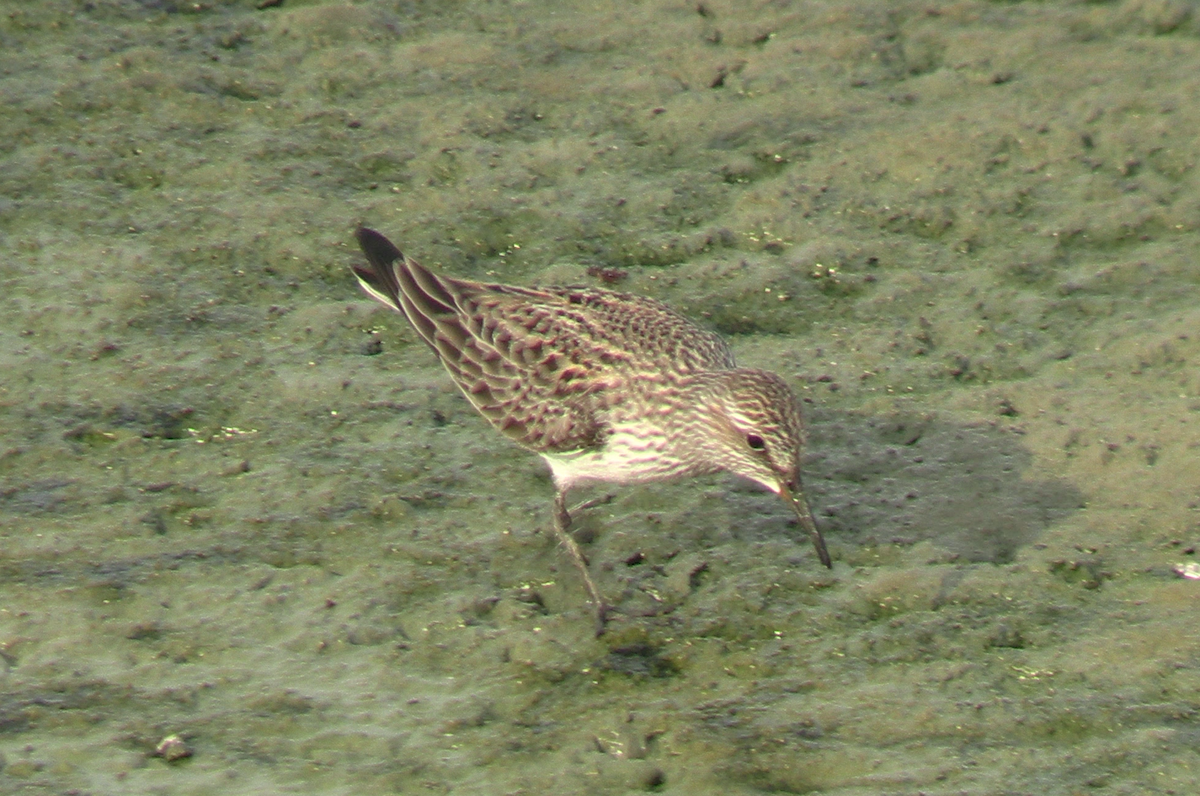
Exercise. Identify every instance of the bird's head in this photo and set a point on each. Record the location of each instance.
(759, 435)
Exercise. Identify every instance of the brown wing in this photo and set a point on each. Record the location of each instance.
(540, 365)
(653, 334)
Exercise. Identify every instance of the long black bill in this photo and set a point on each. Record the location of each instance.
(795, 498)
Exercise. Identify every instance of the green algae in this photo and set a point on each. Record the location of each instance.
(239, 503)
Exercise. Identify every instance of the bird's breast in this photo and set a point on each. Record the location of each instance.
(631, 452)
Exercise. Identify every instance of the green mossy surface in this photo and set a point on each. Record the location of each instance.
(241, 504)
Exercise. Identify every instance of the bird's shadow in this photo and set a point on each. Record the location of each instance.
(907, 479)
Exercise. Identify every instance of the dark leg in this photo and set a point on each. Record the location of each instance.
(562, 527)
(591, 504)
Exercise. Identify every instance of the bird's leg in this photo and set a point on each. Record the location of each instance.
(562, 527)
(603, 500)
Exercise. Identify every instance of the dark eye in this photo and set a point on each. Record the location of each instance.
(756, 442)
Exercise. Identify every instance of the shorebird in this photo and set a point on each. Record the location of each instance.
(608, 387)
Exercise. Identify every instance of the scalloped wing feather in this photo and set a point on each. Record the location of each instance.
(516, 353)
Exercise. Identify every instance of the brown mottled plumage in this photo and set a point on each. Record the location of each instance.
(606, 386)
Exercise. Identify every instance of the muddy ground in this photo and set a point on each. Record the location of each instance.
(241, 504)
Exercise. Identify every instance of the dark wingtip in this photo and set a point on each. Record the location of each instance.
(379, 250)
(378, 275)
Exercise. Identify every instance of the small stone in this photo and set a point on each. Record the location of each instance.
(172, 748)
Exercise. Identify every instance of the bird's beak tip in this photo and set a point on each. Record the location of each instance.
(800, 505)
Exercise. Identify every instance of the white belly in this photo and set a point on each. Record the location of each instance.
(630, 455)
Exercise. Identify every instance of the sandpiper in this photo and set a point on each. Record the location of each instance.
(607, 387)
